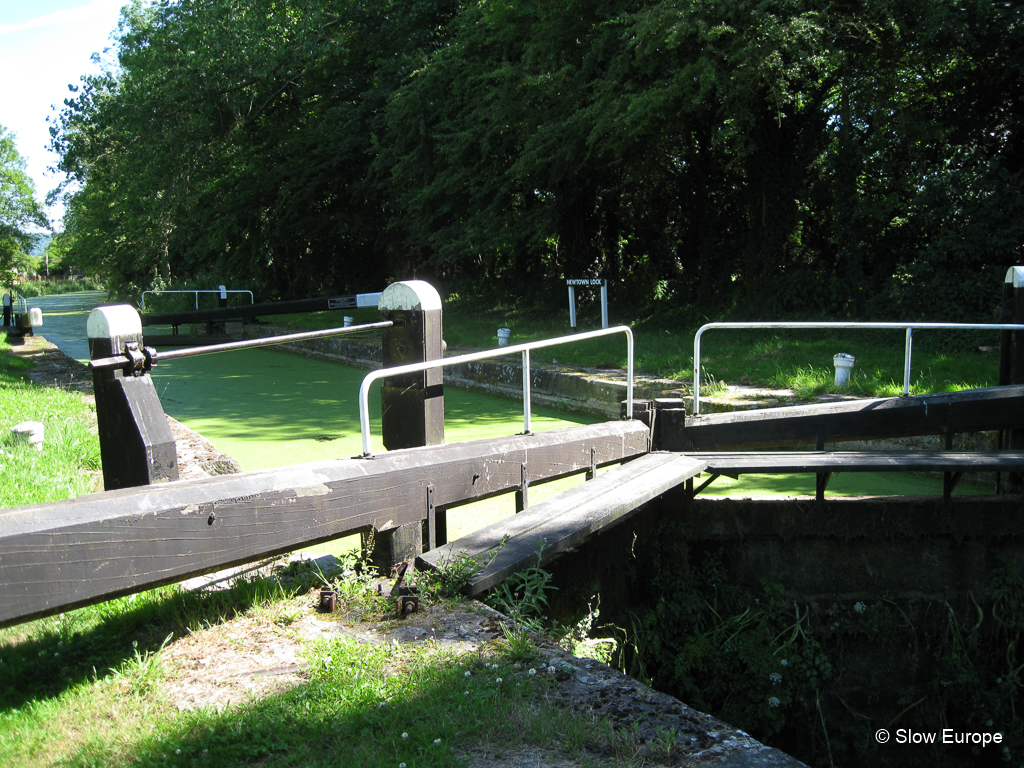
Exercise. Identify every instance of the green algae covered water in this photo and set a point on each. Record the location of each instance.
(267, 408)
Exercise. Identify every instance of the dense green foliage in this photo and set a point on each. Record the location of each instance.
(817, 678)
(67, 464)
(56, 287)
(19, 210)
(755, 157)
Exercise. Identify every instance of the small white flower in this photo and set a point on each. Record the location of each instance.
(498, 680)
(784, 663)
(468, 673)
(177, 751)
(405, 735)
(401, 765)
(533, 671)
(437, 741)
(775, 677)
(551, 670)
(465, 693)
(773, 701)
(859, 607)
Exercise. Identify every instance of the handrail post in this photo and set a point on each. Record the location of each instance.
(1012, 359)
(370, 378)
(696, 369)
(526, 392)
(906, 360)
(629, 373)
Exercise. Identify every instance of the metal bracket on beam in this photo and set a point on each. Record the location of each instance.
(522, 495)
(949, 482)
(592, 472)
(705, 484)
(431, 519)
(821, 485)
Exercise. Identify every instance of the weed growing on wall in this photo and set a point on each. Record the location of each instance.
(818, 678)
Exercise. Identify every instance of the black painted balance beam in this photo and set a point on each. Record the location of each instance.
(249, 312)
(971, 410)
(513, 544)
(825, 463)
(66, 554)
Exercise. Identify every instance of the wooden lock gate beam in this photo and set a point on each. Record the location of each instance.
(946, 413)
(62, 555)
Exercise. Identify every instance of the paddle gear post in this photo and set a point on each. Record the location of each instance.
(136, 444)
(412, 406)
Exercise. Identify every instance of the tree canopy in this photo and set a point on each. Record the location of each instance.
(20, 213)
(756, 157)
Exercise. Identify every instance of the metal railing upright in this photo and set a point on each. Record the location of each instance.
(196, 292)
(907, 327)
(524, 349)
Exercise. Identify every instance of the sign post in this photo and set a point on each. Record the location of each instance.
(587, 282)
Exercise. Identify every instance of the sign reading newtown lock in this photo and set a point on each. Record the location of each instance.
(587, 282)
(945, 736)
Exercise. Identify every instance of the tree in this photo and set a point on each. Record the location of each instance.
(753, 157)
(234, 143)
(19, 211)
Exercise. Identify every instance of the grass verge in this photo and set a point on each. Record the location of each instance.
(800, 360)
(90, 688)
(70, 456)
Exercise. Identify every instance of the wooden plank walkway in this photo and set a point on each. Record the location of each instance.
(566, 520)
(825, 463)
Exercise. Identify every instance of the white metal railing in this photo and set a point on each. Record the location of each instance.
(223, 292)
(908, 327)
(401, 370)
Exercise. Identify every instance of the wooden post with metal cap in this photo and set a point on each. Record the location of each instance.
(136, 444)
(412, 406)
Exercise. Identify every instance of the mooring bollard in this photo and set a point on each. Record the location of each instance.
(412, 407)
(136, 444)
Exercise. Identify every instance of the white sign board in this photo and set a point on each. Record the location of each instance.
(587, 282)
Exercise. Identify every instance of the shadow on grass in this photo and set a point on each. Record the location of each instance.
(73, 648)
(364, 705)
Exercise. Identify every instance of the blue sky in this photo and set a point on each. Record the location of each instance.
(45, 45)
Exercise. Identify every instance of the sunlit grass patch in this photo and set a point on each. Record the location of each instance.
(70, 454)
